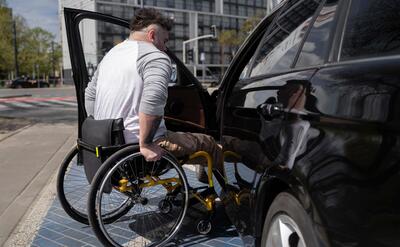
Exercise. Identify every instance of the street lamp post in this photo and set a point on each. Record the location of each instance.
(213, 35)
(207, 36)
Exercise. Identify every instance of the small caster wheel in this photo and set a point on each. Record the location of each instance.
(165, 206)
(204, 227)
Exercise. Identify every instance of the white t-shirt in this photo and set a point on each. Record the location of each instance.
(133, 77)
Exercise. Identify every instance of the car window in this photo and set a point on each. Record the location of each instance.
(316, 47)
(93, 49)
(372, 29)
(281, 44)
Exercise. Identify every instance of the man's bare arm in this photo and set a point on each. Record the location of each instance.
(148, 125)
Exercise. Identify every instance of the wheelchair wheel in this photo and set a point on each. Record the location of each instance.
(73, 189)
(159, 191)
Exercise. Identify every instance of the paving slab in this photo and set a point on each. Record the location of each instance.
(58, 229)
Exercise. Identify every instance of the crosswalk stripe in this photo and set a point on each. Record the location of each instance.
(4, 107)
(21, 105)
(41, 103)
(34, 104)
(68, 103)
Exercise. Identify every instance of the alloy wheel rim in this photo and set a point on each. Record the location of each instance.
(284, 232)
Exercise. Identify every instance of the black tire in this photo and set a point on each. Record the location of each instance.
(76, 212)
(288, 211)
(73, 189)
(124, 163)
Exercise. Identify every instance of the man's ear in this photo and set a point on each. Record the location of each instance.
(151, 34)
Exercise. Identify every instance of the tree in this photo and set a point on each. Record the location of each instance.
(35, 53)
(234, 38)
(6, 42)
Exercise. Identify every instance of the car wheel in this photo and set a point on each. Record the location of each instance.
(18, 86)
(287, 224)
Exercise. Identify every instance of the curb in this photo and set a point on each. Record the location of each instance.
(14, 132)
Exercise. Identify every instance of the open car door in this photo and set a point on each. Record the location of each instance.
(189, 106)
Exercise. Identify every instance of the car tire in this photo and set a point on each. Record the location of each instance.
(287, 222)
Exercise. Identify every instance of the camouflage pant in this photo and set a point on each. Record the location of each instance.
(185, 143)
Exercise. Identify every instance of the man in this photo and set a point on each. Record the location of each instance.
(131, 82)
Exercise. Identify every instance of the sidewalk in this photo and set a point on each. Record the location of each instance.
(29, 157)
(30, 214)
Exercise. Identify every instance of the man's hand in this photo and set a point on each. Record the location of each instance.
(152, 152)
(148, 125)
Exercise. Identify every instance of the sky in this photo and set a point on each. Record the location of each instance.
(38, 13)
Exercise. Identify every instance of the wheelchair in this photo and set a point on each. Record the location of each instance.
(129, 201)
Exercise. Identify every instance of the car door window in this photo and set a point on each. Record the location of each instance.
(317, 45)
(372, 29)
(98, 37)
(281, 44)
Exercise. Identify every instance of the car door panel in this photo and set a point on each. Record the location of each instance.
(354, 171)
(254, 143)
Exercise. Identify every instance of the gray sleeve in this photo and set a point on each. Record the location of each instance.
(155, 68)
(90, 93)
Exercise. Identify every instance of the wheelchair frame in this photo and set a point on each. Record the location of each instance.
(207, 200)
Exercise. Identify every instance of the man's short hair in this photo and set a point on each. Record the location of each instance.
(147, 16)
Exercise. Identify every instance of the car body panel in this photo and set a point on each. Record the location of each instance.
(254, 139)
(353, 175)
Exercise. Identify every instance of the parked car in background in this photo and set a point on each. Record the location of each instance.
(308, 113)
(26, 82)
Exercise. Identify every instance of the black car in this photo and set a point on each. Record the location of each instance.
(26, 82)
(308, 113)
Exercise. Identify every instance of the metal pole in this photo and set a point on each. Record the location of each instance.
(15, 50)
(195, 55)
(184, 52)
(61, 75)
(204, 72)
(195, 58)
(52, 63)
(191, 40)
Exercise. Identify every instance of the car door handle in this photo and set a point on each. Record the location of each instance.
(270, 111)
